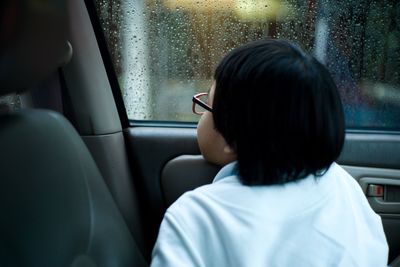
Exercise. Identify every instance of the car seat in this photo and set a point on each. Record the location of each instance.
(55, 207)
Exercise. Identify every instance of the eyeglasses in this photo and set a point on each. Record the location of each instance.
(199, 104)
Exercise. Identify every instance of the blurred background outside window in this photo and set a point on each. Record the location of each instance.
(164, 51)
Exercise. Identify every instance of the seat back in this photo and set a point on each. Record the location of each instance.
(175, 180)
(56, 209)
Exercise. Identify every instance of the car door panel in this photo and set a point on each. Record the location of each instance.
(168, 163)
(150, 148)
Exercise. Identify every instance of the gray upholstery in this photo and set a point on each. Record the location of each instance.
(33, 42)
(185, 173)
(55, 209)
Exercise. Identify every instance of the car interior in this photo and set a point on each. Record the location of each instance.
(81, 183)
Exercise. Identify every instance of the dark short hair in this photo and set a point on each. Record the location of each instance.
(280, 110)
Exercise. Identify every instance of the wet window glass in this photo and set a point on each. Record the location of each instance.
(165, 51)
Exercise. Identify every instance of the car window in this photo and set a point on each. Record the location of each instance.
(165, 51)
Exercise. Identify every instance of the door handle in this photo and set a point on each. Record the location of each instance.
(383, 194)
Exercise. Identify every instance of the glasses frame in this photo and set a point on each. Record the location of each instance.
(196, 101)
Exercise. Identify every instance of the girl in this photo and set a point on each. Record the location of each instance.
(274, 119)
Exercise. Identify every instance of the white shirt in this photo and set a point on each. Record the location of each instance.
(313, 222)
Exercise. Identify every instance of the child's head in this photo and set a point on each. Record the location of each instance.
(279, 111)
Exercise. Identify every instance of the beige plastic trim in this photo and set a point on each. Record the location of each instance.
(86, 78)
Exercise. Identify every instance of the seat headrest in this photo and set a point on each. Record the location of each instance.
(33, 42)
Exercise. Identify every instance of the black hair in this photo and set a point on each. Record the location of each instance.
(280, 110)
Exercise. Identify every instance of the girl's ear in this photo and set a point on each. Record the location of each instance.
(228, 150)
